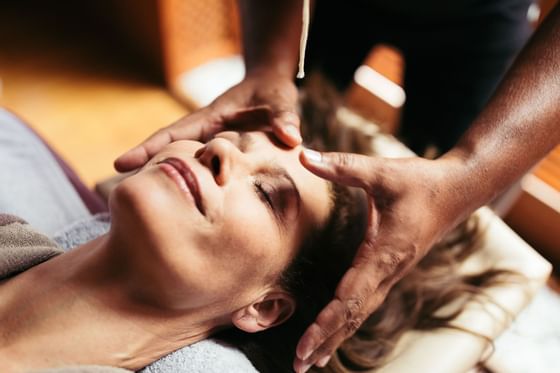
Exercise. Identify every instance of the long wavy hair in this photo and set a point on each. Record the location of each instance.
(327, 252)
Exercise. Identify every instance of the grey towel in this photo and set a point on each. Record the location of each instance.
(85, 369)
(208, 356)
(82, 231)
(21, 247)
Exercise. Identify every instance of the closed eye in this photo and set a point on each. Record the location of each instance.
(276, 188)
(263, 194)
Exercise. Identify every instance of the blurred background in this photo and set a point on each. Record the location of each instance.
(95, 77)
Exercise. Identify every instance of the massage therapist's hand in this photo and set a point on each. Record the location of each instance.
(262, 97)
(412, 204)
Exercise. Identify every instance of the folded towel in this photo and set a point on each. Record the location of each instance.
(21, 247)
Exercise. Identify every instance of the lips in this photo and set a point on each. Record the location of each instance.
(182, 174)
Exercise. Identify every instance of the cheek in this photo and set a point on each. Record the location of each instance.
(151, 202)
(164, 243)
(251, 240)
(147, 212)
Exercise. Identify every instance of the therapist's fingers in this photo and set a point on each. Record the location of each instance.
(284, 123)
(140, 154)
(377, 266)
(280, 96)
(342, 317)
(412, 205)
(193, 127)
(280, 115)
(361, 291)
(286, 127)
(266, 93)
(345, 168)
(385, 254)
(351, 305)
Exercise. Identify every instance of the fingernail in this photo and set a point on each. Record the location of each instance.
(321, 363)
(315, 157)
(293, 132)
(305, 368)
(305, 354)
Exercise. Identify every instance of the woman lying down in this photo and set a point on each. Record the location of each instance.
(233, 239)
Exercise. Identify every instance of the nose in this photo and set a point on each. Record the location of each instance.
(222, 158)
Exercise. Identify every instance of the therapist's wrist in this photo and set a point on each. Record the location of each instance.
(278, 70)
(468, 181)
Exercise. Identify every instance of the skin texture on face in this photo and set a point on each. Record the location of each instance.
(225, 247)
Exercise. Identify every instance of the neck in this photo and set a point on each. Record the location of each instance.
(80, 308)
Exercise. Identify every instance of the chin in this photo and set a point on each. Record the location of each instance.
(138, 208)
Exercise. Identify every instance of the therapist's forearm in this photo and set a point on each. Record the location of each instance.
(520, 124)
(271, 32)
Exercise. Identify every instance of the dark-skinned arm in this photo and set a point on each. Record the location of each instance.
(271, 32)
(414, 202)
(520, 124)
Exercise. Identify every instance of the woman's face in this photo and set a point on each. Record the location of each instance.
(219, 221)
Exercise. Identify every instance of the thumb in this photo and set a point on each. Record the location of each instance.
(343, 168)
(132, 159)
(140, 154)
(286, 127)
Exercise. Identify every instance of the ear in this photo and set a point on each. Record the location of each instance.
(270, 310)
